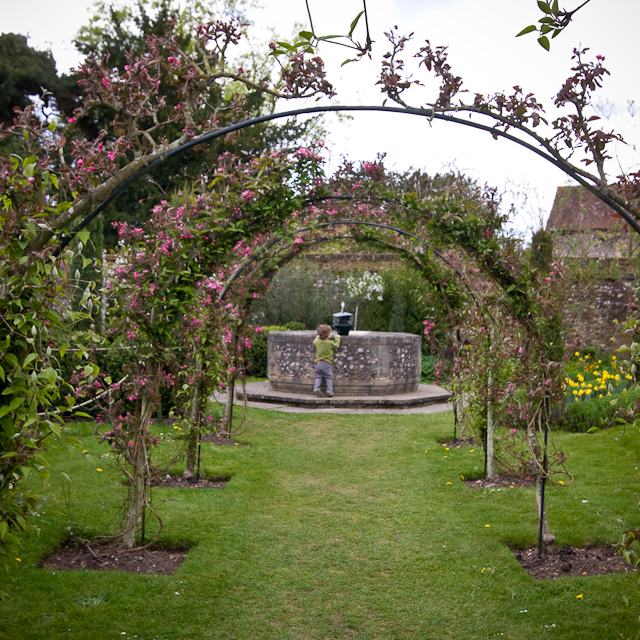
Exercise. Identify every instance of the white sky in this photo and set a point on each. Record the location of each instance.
(482, 49)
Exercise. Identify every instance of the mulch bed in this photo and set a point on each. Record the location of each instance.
(500, 482)
(179, 482)
(222, 441)
(569, 561)
(460, 442)
(97, 558)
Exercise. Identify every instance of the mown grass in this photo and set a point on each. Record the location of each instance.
(336, 527)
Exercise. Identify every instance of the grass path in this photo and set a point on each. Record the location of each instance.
(337, 527)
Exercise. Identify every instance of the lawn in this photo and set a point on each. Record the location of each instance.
(336, 527)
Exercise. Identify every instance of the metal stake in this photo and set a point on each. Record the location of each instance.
(455, 419)
(544, 476)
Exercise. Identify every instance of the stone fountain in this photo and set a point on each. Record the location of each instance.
(371, 369)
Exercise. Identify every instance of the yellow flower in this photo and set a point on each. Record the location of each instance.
(462, 476)
(577, 353)
(560, 481)
(511, 486)
(84, 451)
(613, 357)
(447, 449)
(487, 526)
(98, 469)
(446, 456)
(471, 450)
(426, 450)
(449, 483)
(579, 596)
(18, 560)
(178, 428)
(600, 396)
(483, 568)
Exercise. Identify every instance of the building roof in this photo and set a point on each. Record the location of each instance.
(577, 210)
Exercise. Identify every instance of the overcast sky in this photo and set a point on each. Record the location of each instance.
(482, 50)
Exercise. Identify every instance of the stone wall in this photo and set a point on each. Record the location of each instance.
(367, 363)
(594, 304)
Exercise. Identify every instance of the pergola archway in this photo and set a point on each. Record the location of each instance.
(430, 114)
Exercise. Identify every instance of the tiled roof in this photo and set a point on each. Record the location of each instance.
(577, 210)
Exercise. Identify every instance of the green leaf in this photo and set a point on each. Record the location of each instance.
(81, 414)
(14, 404)
(2, 373)
(83, 236)
(543, 41)
(544, 6)
(12, 360)
(28, 359)
(307, 35)
(354, 24)
(52, 126)
(54, 180)
(4, 528)
(511, 288)
(529, 29)
(45, 474)
(29, 169)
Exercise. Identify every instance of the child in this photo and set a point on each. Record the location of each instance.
(324, 359)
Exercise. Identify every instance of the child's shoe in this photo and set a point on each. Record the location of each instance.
(329, 395)
(318, 393)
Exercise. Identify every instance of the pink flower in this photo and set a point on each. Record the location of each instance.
(512, 432)
(105, 82)
(72, 120)
(247, 194)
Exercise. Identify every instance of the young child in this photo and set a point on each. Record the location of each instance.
(324, 359)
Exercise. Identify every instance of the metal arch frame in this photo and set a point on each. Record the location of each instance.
(334, 223)
(427, 113)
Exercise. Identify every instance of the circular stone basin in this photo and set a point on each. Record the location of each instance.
(368, 363)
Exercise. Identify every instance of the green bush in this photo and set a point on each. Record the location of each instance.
(428, 368)
(257, 367)
(595, 412)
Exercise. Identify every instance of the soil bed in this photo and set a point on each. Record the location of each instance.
(97, 558)
(222, 441)
(500, 482)
(459, 442)
(181, 483)
(569, 561)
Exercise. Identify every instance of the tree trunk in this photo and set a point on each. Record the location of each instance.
(139, 472)
(491, 471)
(355, 319)
(231, 380)
(194, 430)
(547, 537)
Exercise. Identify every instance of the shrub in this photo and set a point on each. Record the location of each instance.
(579, 417)
(257, 366)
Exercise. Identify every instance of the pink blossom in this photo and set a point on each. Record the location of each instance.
(72, 120)
(247, 194)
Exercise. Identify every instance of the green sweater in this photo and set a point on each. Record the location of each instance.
(325, 348)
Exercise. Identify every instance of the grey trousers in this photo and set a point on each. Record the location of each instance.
(324, 371)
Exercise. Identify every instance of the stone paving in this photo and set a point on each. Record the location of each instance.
(427, 399)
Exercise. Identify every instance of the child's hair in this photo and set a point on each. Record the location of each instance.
(324, 331)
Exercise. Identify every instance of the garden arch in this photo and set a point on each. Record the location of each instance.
(431, 114)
